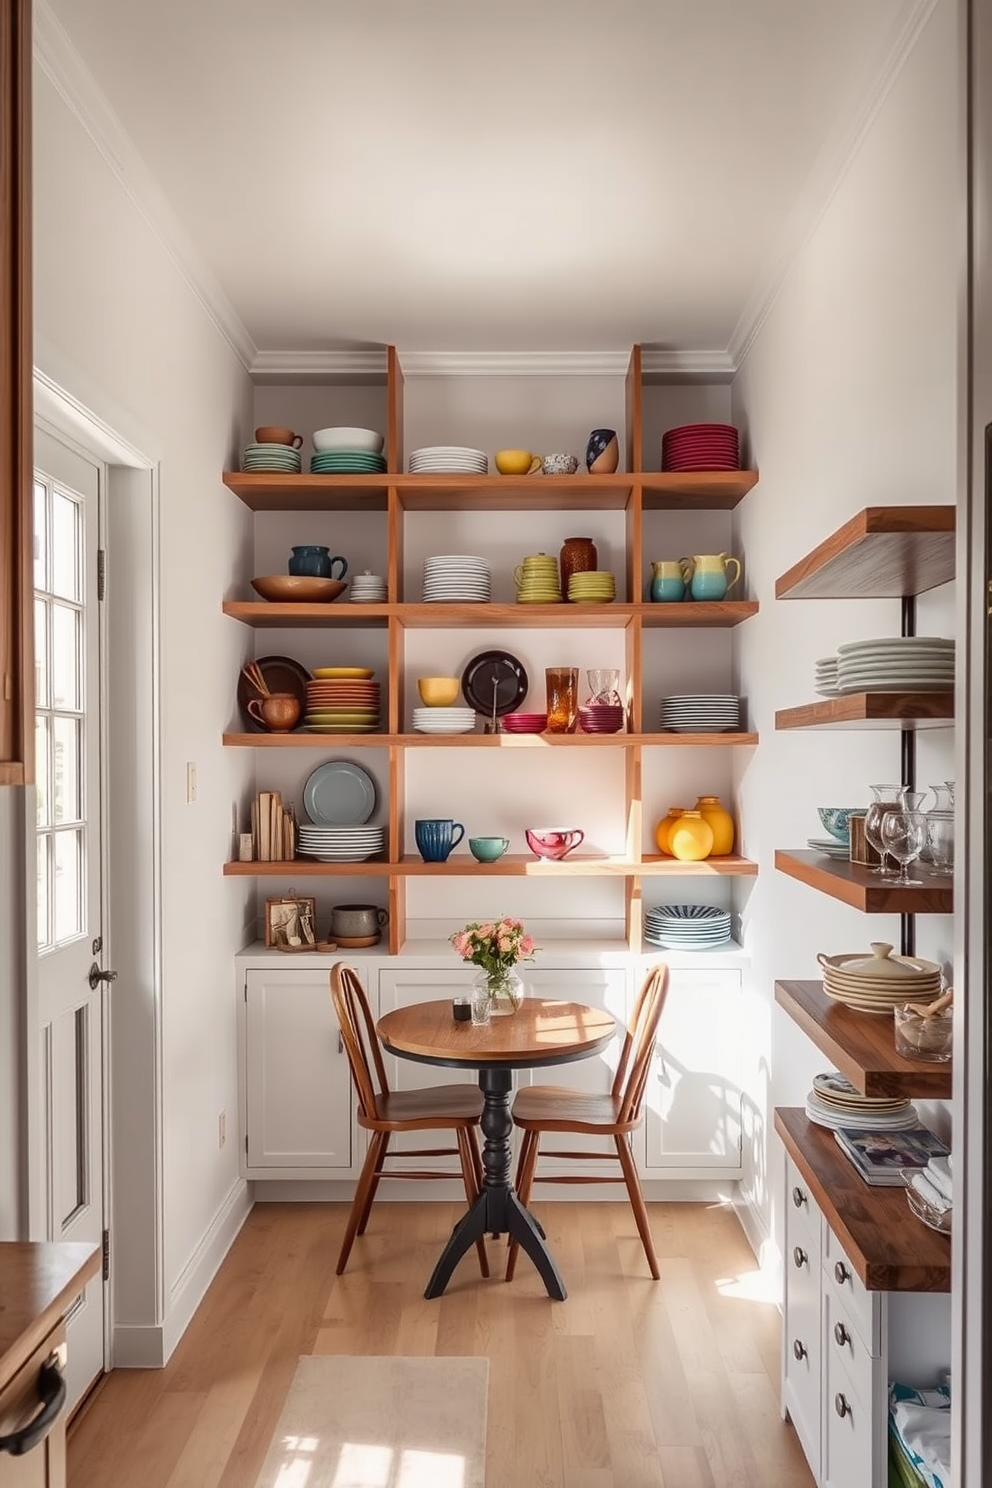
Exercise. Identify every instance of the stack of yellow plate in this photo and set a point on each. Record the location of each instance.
(594, 587)
(536, 579)
(881, 981)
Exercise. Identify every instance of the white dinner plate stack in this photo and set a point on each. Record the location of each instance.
(833, 1102)
(687, 927)
(896, 664)
(825, 682)
(456, 578)
(340, 844)
(444, 720)
(704, 713)
(448, 459)
(368, 588)
(830, 846)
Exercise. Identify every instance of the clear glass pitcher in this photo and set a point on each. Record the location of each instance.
(940, 828)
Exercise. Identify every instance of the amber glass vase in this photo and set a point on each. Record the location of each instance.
(578, 555)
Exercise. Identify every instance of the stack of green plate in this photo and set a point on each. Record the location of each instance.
(276, 457)
(347, 462)
(595, 587)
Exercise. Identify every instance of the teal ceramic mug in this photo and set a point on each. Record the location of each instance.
(488, 849)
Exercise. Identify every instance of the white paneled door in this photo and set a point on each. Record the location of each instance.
(71, 1028)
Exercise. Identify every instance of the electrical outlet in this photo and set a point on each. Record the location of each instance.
(190, 782)
(221, 1128)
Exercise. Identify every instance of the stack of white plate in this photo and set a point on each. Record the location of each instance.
(687, 927)
(368, 588)
(280, 458)
(896, 664)
(826, 676)
(881, 981)
(444, 720)
(456, 578)
(833, 1102)
(702, 713)
(830, 846)
(448, 459)
(340, 844)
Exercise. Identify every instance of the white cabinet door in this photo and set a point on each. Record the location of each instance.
(297, 1084)
(693, 1098)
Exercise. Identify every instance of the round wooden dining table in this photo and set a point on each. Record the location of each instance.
(541, 1032)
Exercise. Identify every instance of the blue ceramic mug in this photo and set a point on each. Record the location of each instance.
(316, 562)
(602, 452)
(436, 837)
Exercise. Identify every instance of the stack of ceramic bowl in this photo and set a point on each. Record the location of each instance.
(700, 713)
(594, 586)
(340, 844)
(444, 720)
(825, 681)
(833, 1102)
(524, 723)
(342, 700)
(701, 447)
(282, 459)
(881, 981)
(601, 718)
(538, 582)
(448, 459)
(456, 578)
(368, 588)
(687, 927)
(896, 664)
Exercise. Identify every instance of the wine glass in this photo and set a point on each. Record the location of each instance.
(903, 835)
(887, 798)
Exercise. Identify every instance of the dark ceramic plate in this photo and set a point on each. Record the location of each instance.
(282, 674)
(494, 671)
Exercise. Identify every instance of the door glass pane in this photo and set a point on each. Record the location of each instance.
(44, 862)
(42, 659)
(65, 656)
(68, 917)
(66, 565)
(42, 765)
(40, 536)
(66, 768)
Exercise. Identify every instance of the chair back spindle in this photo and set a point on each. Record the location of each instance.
(630, 1080)
(368, 1072)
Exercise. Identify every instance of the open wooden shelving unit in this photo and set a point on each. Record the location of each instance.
(862, 889)
(633, 492)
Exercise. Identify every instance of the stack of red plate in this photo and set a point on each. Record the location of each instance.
(524, 723)
(701, 447)
(601, 718)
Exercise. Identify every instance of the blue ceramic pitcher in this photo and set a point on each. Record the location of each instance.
(316, 562)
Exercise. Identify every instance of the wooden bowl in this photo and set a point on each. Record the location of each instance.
(298, 588)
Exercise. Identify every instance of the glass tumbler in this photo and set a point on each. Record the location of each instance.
(603, 685)
(562, 684)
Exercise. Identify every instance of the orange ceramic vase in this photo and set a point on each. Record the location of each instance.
(663, 830)
(721, 823)
(691, 838)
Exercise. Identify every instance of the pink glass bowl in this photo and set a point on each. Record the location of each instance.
(553, 842)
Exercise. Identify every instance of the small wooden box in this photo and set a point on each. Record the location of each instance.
(861, 850)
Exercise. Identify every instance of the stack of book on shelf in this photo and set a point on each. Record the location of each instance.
(885, 1158)
(273, 828)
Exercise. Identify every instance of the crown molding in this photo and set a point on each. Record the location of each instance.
(665, 364)
(67, 72)
(826, 177)
(323, 366)
(344, 365)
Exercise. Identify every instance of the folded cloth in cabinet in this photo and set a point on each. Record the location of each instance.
(902, 1473)
(921, 1419)
(938, 1170)
(926, 1190)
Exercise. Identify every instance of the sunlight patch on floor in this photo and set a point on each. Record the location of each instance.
(367, 1465)
(750, 1286)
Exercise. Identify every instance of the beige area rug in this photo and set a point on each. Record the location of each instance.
(381, 1423)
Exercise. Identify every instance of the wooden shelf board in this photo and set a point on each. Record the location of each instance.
(264, 614)
(889, 1248)
(307, 868)
(884, 552)
(700, 490)
(697, 614)
(861, 1045)
(872, 710)
(342, 614)
(262, 491)
(579, 492)
(302, 739)
(511, 865)
(730, 865)
(615, 616)
(862, 889)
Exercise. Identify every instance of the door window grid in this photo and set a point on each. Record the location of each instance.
(60, 733)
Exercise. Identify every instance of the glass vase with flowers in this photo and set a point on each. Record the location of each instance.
(496, 946)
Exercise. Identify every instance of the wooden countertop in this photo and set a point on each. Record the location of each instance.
(38, 1281)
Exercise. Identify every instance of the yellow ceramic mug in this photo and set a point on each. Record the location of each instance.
(517, 462)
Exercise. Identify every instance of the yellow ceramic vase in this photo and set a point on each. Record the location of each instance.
(691, 838)
(721, 824)
(663, 830)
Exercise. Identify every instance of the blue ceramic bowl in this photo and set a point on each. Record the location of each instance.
(836, 819)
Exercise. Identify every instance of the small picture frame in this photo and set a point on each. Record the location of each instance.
(291, 921)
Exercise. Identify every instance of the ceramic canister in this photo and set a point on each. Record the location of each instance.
(663, 831)
(691, 838)
(721, 823)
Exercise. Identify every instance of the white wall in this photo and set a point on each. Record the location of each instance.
(849, 398)
(118, 322)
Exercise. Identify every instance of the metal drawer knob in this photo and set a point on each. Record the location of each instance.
(841, 1273)
(841, 1406)
(799, 1256)
(799, 1349)
(841, 1334)
(798, 1197)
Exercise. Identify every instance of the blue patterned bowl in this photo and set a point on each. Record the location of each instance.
(836, 819)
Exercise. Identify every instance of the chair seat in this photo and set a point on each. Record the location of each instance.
(557, 1108)
(433, 1105)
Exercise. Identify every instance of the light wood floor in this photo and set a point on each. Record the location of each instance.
(630, 1383)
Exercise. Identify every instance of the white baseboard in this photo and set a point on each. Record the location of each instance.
(766, 1252)
(151, 1346)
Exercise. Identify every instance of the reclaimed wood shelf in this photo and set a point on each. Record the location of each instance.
(301, 739)
(617, 615)
(872, 710)
(889, 1248)
(885, 552)
(862, 889)
(861, 1045)
(512, 865)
